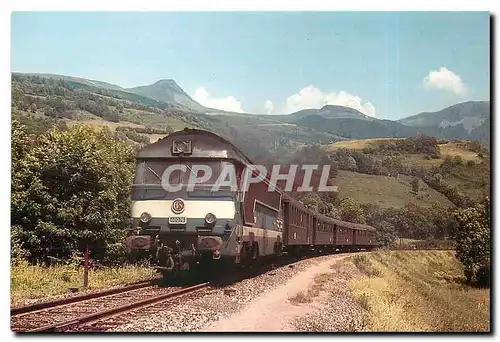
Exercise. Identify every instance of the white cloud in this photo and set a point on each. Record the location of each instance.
(269, 106)
(445, 79)
(228, 103)
(312, 97)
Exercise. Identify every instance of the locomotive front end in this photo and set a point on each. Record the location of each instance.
(183, 212)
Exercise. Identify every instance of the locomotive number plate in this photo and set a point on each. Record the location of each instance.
(177, 220)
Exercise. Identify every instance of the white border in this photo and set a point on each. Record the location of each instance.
(225, 5)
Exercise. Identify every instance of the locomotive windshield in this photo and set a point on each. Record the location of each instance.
(201, 174)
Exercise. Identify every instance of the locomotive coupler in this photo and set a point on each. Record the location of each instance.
(164, 257)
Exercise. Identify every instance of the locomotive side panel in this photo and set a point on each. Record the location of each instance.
(258, 193)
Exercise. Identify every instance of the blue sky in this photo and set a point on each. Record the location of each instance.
(390, 65)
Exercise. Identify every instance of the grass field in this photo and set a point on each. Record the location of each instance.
(97, 121)
(30, 282)
(358, 144)
(418, 291)
(474, 180)
(449, 149)
(385, 191)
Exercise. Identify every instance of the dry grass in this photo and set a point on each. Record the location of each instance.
(30, 282)
(418, 291)
(358, 144)
(454, 149)
(386, 191)
(300, 298)
(97, 121)
(319, 284)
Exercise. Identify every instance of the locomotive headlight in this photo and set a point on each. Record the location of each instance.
(145, 217)
(210, 218)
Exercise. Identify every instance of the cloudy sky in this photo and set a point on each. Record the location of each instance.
(388, 65)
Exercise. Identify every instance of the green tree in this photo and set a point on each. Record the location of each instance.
(386, 234)
(69, 189)
(351, 211)
(473, 240)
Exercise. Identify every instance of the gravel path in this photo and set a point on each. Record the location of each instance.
(273, 311)
(262, 300)
(338, 311)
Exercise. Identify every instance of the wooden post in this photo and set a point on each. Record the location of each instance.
(86, 268)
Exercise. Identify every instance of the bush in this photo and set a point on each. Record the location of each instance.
(386, 234)
(415, 184)
(483, 274)
(470, 163)
(473, 240)
(70, 189)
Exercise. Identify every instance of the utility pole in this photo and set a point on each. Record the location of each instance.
(86, 268)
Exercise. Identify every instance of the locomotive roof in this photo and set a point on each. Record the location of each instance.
(205, 144)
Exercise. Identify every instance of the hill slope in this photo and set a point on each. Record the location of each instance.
(386, 191)
(467, 120)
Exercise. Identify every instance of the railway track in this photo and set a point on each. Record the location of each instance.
(79, 313)
(79, 298)
(104, 310)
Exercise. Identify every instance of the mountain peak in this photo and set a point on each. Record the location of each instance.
(165, 81)
(336, 108)
(167, 90)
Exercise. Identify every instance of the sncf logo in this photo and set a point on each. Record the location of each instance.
(178, 206)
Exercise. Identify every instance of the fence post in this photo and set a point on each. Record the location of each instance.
(86, 268)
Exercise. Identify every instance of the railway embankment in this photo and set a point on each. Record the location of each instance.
(418, 291)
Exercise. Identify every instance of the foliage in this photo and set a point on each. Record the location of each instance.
(37, 281)
(351, 211)
(420, 144)
(386, 234)
(474, 241)
(17, 251)
(415, 184)
(70, 189)
(133, 135)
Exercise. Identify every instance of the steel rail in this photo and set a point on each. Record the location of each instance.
(117, 310)
(80, 298)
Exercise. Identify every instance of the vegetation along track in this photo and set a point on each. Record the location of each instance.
(103, 310)
(100, 311)
(87, 310)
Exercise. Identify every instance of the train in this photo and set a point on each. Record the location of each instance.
(182, 221)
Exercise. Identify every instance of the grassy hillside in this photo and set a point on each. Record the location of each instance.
(386, 191)
(357, 144)
(78, 100)
(415, 291)
(471, 177)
